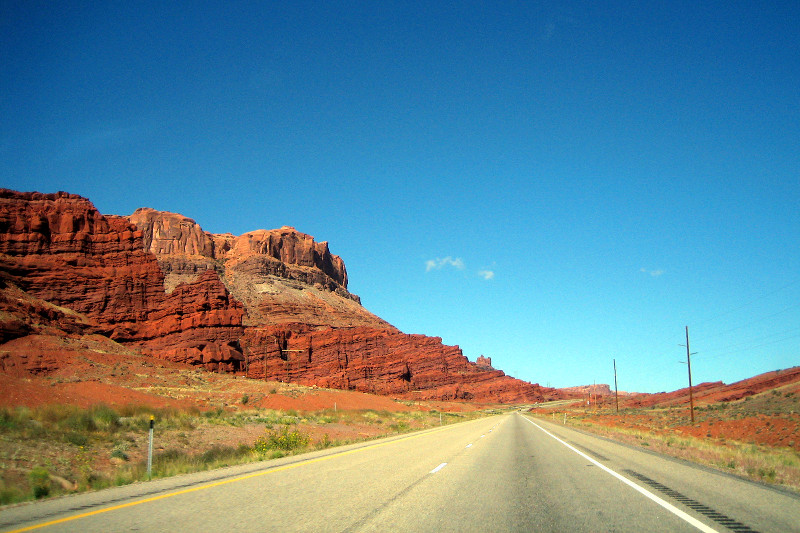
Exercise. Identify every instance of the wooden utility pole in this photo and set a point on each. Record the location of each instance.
(616, 392)
(689, 364)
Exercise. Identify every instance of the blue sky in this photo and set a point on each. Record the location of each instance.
(550, 184)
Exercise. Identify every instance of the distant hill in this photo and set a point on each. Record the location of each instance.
(788, 380)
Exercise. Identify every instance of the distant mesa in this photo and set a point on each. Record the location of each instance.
(269, 304)
(600, 389)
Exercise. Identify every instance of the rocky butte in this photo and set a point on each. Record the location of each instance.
(269, 304)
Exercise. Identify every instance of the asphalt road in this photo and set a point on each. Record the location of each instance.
(504, 473)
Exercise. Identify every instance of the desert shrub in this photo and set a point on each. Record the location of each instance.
(79, 420)
(40, 482)
(173, 461)
(98, 482)
(170, 462)
(53, 413)
(400, 426)
(65, 417)
(766, 473)
(76, 438)
(324, 442)
(137, 416)
(219, 412)
(281, 439)
(170, 455)
(217, 454)
(119, 452)
(10, 495)
(9, 418)
(105, 418)
(327, 418)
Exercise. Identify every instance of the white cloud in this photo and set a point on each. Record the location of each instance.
(439, 263)
(486, 274)
(654, 273)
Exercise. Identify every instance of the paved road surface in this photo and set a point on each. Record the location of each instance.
(504, 473)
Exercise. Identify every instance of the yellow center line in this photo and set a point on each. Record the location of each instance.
(226, 481)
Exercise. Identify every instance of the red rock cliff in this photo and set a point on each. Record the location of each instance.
(270, 303)
(281, 276)
(59, 248)
(380, 361)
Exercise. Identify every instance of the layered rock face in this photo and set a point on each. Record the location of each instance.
(272, 304)
(176, 240)
(381, 361)
(59, 249)
(280, 276)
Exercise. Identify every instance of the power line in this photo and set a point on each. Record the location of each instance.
(759, 338)
(661, 362)
(778, 341)
(750, 302)
(667, 353)
(761, 319)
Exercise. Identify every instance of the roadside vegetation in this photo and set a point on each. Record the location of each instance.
(757, 437)
(60, 449)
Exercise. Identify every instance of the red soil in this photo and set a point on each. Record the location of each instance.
(762, 429)
(33, 392)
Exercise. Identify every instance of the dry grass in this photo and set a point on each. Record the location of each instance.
(57, 449)
(721, 437)
(772, 465)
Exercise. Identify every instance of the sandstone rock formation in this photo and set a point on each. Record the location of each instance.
(59, 249)
(584, 391)
(271, 304)
(484, 362)
(280, 276)
(382, 361)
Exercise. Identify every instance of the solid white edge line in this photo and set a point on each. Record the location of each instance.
(438, 468)
(666, 505)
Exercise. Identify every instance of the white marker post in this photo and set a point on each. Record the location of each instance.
(150, 449)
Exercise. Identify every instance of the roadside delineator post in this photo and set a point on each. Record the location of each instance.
(150, 448)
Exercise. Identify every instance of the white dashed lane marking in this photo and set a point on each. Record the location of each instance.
(438, 468)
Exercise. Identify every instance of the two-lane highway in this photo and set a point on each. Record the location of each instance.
(504, 473)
